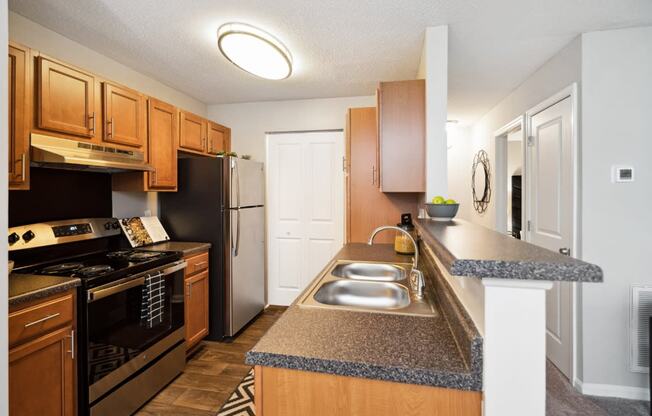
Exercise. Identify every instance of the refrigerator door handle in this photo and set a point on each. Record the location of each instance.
(237, 236)
(237, 184)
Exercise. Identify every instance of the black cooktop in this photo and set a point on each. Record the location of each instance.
(98, 268)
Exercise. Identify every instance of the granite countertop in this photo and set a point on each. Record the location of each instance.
(400, 348)
(187, 248)
(467, 249)
(26, 287)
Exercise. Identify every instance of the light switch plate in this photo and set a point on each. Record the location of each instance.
(622, 174)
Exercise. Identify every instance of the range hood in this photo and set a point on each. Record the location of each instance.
(53, 152)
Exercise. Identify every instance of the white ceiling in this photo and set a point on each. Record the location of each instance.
(340, 47)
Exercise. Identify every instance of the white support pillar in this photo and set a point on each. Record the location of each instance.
(514, 367)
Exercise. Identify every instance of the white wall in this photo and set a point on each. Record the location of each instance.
(35, 36)
(250, 121)
(4, 193)
(616, 222)
(434, 69)
(559, 72)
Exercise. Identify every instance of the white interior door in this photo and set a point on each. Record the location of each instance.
(305, 206)
(551, 215)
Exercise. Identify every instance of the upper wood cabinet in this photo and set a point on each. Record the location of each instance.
(125, 118)
(402, 136)
(219, 138)
(18, 121)
(192, 134)
(66, 99)
(162, 144)
(367, 207)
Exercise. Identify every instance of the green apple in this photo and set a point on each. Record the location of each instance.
(450, 202)
(439, 200)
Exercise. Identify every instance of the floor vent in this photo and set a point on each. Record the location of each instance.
(640, 328)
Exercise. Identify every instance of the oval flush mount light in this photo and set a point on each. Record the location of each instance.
(255, 51)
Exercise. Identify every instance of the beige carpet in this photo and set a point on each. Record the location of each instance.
(563, 400)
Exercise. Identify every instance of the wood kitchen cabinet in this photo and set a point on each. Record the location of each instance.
(42, 357)
(219, 138)
(19, 103)
(283, 392)
(193, 132)
(402, 136)
(125, 116)
(367, 207)
(196, 304)
(66, 99)
(162, 144)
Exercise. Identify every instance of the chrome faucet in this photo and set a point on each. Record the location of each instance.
(417, 281)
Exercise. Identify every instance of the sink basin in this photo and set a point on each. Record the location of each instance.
(378, 272)
(361, 294)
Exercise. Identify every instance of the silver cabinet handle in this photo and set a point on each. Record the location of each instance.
(565, 251)
(38, 321)
(189, 290)
(72, 344)
(373, 174)
(111, 123)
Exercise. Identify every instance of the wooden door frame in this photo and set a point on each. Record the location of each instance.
(567, 92)
(268, 135)
(500, 142)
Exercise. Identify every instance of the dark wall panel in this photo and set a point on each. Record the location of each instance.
(59, 195)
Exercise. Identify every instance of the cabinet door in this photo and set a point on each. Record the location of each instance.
(66, 101)
(162, 144)
(402, 133)
(193, 132)
(124, 116)
(41, 376)
(18, 117)
(219, 137)
(196, 308)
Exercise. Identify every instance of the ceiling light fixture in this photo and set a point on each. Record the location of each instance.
(255, 51)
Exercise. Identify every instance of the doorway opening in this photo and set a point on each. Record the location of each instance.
(510, 178)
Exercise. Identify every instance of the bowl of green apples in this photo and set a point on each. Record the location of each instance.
(442, 209)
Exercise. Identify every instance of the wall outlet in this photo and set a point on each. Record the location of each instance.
(622, 174)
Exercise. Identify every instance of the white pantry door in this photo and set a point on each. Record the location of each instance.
(551, 215)
(305, 209)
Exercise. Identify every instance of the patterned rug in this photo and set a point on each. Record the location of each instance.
(241, 401)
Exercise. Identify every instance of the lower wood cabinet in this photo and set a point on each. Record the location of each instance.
(42, 364)
(196, 304)
(283, 392)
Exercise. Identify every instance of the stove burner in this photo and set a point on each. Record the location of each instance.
(118, 254)
(62, 268)
(91, 271)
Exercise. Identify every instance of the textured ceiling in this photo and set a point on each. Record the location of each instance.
(340, 48)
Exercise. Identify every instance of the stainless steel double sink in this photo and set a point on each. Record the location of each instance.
(367, 286)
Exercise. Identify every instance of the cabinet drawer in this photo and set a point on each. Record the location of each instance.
(197, 263)
(39, 319)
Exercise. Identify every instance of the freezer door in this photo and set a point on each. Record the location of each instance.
(247, 282)
(247, 183)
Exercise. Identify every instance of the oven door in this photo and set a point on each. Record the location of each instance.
(131, 322)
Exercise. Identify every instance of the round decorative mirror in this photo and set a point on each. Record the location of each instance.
(480, 181)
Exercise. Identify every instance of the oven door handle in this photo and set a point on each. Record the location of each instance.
(139, 280)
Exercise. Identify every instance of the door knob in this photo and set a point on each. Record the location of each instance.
(565, 251)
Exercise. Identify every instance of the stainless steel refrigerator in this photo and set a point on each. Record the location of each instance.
(221, 201)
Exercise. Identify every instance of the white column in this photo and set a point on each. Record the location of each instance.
(514, 367)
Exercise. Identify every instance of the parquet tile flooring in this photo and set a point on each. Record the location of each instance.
(211, 373)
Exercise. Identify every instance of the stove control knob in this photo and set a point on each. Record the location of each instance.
(115, 225)
(13, 238)
(29, 235)
(107, 225)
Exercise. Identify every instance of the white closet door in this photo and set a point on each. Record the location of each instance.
(551, 216)
(305, 208)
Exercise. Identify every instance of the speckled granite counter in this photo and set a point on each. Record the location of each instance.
(400, 348)
(467, 249)
(26, 287)
(187, 248)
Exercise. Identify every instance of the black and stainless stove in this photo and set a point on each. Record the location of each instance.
(130, 309)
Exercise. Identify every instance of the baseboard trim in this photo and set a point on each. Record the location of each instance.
(612, 390)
